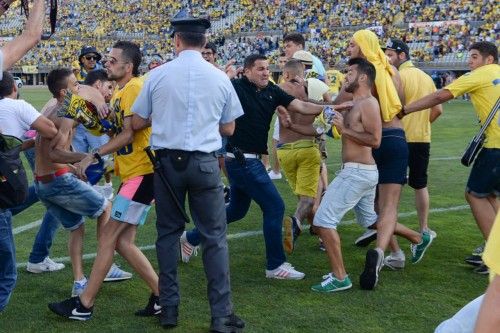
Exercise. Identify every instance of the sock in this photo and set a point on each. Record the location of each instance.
(82, 281)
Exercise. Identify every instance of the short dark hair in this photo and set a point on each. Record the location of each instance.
(131, 52)
(211, 46)
(486, 49)
(251, 59)
(364, 67)
(7, 84)
(294, 65)
(57, 80)
(94, 76)
(295, 37)
(192, 39)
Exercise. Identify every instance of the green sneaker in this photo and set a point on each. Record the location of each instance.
(332, 284)
(418, 250)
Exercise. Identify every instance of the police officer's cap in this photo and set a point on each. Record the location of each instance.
(190, 24)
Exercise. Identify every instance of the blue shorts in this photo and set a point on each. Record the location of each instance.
(484, 178)
(69, 199)
(392, 157)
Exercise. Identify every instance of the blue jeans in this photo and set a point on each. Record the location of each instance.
(45, 235)
(8, 272)
(253, 182)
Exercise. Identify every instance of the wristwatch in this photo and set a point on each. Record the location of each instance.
(97, 156)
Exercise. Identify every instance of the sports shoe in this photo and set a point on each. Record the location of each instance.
(275, 175)
(187, 250)
(153, 308)
(418, 250)
(117, 274)
(72, 308)
(321, 246)
(483, 270)
(365, 239)
(227, 194)
(231, 323)
(47, 265)
(332, 284)
(292, 232)
(474, 260)
(79, 287)
(394, 261)
(478, 251)
(373, 264)
(431, 232)
(284, 272)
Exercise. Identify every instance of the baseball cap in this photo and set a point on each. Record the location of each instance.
(303, 56)
(397, 45)
(87, 50)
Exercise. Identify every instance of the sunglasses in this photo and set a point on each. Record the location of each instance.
(92, 57)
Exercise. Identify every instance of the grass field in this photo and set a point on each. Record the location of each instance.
(416, 299)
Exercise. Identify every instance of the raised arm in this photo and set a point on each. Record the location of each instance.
(438, 97)
(16, 49)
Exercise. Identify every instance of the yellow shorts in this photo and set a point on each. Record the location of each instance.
(301, 168)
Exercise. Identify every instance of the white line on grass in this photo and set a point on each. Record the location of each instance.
(26, 227)
(246, 234)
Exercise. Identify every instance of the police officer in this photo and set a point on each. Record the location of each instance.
(190, 103)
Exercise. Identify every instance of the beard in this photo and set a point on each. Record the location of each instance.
(352, 87)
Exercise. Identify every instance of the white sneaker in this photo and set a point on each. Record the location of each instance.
(285, 272)
(394, 261)
(187, 250)
(275, 175)
(47, 265)
(115, 273)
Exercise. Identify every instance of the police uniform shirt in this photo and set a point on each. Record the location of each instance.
(187, 98)
(252, 128)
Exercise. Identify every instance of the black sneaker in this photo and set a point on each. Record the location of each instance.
(71, 308)
(153, 308)
(474, 260)
(365, 239)
(229, 324)
(373, 264)
(227, 194)
(482, 269)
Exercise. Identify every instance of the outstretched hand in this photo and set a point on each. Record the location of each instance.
(344, 106)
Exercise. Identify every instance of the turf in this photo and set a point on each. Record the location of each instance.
(414, 300)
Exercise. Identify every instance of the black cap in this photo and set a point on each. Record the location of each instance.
(87, 50)
(398, 46)
(190, 24)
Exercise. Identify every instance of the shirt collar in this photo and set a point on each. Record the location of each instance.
(406, 64)
(190, 54)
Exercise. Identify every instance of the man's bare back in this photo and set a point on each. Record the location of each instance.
(287, 135)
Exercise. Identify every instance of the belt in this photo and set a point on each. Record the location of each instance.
(166, 152)
(247, 155)
(51, 176)
(297, 144)
(360, 166)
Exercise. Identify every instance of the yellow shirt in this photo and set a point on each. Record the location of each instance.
(483, 85)
(336, 78)
(491, 255)
(131, 160)
(416, 85)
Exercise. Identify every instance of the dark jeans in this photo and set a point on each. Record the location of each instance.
(200, 179)
(253, 182)
(8, 272)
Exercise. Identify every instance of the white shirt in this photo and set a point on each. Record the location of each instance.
(16, 116)
(187, 98)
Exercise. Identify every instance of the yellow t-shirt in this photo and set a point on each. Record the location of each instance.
(132, 160)
(336, 78)
(491, 255)
(483, 85)
(416, 85)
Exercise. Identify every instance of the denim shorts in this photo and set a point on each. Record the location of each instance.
(354, 187)
(392, 157)
(69, 199)
(484, 178)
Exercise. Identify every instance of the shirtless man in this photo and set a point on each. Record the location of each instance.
(67, 198)
(299, 156)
